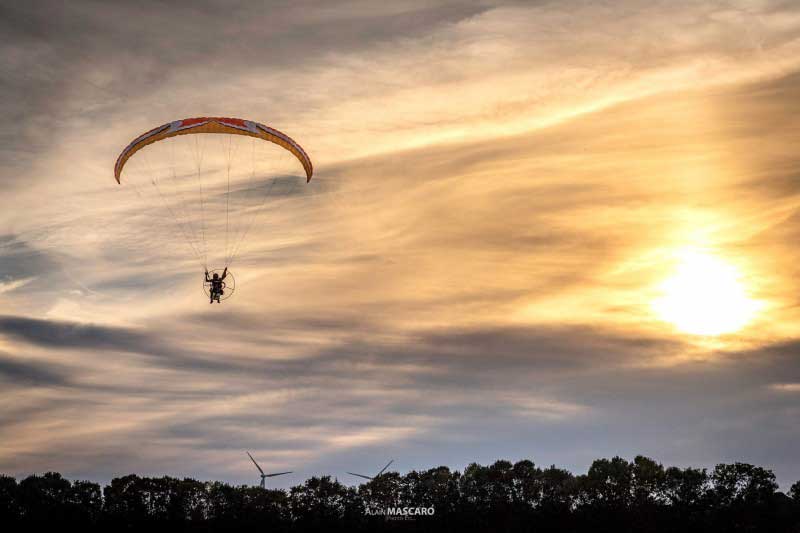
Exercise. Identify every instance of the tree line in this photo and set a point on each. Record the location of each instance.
(613, 495)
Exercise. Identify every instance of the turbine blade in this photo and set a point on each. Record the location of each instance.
(254, 462)
(277, 474)
(359, 475)
(385, 467)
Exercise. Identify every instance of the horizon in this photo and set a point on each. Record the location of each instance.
(359, 480)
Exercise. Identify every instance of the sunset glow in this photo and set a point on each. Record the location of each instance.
(530, 226)
(705, 296)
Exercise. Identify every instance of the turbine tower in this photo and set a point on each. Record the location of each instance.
(263, 475)
(376, 475)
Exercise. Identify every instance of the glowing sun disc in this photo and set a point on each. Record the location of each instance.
(704, 296)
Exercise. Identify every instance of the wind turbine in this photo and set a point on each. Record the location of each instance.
(376, 475)
(263, 475)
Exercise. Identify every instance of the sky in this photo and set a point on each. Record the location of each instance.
(547, 230)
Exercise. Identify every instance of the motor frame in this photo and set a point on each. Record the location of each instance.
(228, 285)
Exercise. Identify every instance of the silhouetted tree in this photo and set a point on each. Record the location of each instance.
(321, 502)
(85, 502)
(794, 492)
(685, 488)
(605, 493)
(126, 502)
(383, 491)
(742, 483)
(527, 485)
(743, 496)
(648, 494)
(613, 495)
(226, 504)
(264, 507)
(10, 510)
(558, 489)
(44, 499)
(437, 487)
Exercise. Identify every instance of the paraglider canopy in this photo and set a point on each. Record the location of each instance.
(234, 126)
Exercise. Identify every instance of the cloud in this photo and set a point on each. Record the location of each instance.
(71, 335)
(499, 187)
(20, 372)
(786, 387)
(20, 263)
(77, 337)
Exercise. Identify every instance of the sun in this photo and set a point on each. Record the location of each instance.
(705, 296)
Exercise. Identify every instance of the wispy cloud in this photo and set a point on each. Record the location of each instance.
(499, 187)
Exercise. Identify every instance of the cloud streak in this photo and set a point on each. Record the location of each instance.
(500, 187)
